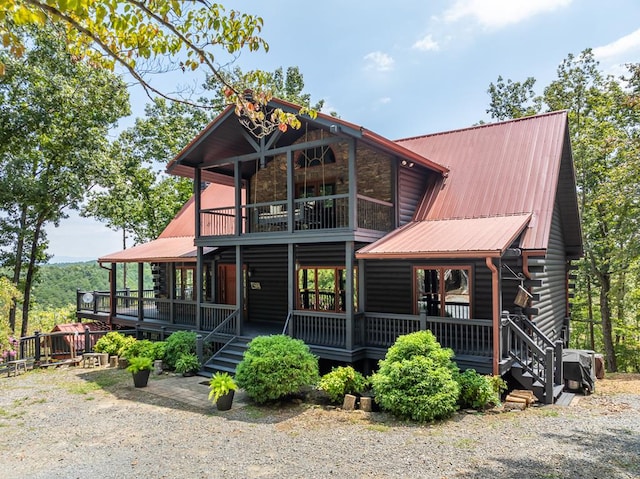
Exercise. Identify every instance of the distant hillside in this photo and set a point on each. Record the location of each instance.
(58, 282)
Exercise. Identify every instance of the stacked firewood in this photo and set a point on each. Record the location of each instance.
(519, 399)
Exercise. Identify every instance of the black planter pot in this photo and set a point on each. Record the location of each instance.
(141, 378)
(224, 402)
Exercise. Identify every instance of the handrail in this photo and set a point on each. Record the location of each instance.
(217, 329)
(538, 332)
(286, 323)
(544, 373)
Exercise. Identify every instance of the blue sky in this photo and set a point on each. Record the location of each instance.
(410, 67)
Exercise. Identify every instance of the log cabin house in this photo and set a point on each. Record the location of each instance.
(344, 239)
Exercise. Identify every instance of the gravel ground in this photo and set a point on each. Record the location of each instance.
(77, 423)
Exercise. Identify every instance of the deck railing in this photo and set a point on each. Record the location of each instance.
(320, 328)
(213, 315)
(51, 347)
(471, 337)
(313, 213)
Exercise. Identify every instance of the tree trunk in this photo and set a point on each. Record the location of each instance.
(607, 329)
(18, 267)
(31, 269)
(592, 339)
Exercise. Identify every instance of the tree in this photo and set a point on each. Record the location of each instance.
(55, 113)
(154, 36)
(139, 198)
(513, 99)
(603, 117)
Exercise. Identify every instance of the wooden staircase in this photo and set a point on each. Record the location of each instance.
(227, 358)
(536, 361)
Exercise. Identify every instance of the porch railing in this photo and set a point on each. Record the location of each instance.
(56, 346)
(214, 315)
(471, 337)
(313, 213)
(320, 328)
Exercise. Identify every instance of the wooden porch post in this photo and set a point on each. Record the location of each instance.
(237, 184)
(353, 187)
(291, 284)
(198, 283)
(112, 291)
(496, 307)
(171, 281)
(290, 193)
(140, 291)
(239, 289)
(348, 292)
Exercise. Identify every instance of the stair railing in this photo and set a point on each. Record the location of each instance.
(286, 323)
(218, 331)
(533, 359)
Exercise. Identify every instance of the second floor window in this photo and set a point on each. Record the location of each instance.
(320, 155)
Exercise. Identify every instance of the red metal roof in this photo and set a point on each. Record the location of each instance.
(176, 242)
(507, 168)
(470, 237)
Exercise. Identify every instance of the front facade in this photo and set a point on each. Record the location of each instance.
(346, 240)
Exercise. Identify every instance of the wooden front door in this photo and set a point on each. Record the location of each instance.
(227, 284)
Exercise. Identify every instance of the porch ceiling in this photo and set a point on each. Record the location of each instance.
(469, 238)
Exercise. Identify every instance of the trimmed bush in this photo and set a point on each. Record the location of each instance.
(342, 380)
(478, 391)
(179, 343)
(416, 380)
(143, 348)
(276, 366)
(187, 363)
(111, 343)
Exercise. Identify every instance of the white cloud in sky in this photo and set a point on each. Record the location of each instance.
(500, 13)
(385, 100)
(622, 47)
(380, 61)
(427, 43)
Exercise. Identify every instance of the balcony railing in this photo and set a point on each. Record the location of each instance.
(314, 213)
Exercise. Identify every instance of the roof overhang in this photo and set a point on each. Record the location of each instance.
(161, 250)
(225, 137)
(451, 238)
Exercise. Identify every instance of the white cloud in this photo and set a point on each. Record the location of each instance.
(622, 47)
(384, 100)
(499, 13)
(379, 61)
(427, 43)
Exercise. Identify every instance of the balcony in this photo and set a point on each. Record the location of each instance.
(308, 214)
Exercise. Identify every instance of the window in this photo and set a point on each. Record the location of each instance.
(323, 289)
(184, 282)
(443, 291)
(320, 155)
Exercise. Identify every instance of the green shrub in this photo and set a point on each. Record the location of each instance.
(342, 380)
(477, 391)
(276, 366)
(416, 380)
(142, 347)
(159, 348)
(180, 342)
(187, 363)
(111, 343)
(137, 364)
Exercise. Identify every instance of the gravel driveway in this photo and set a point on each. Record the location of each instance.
(76, 423)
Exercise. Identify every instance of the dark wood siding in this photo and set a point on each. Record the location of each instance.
(321, 254)
(389, 285)
(411, 188)
(552, 270)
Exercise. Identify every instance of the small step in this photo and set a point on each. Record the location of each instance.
(565, 399)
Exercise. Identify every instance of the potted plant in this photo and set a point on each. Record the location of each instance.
(221, 390)
(187, 364)
(140, 367)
